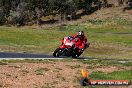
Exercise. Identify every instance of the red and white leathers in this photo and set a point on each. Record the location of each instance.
(80, 42)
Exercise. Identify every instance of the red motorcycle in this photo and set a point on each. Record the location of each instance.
(67, 48)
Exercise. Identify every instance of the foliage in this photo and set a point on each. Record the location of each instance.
(2, 16)
(20, 12)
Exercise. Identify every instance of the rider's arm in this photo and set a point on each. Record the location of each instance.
(62, 41)
(84, 40)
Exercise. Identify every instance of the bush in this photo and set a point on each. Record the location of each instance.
(18, 19)
(19, 15)
(2, 17)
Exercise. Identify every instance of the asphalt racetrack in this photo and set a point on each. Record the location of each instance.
(23, 55)
(9, 55)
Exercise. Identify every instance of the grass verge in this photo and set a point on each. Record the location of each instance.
(108, 38)
(116, 75)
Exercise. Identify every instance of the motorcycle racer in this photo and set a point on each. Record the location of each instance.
(81, 40)
(72, 45)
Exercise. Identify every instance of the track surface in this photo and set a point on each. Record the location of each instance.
(23, 55)
(5, 55)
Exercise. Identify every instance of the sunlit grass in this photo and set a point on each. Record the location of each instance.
(118, 75)
(106, 39)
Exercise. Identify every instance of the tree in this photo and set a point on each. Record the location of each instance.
(2, 16)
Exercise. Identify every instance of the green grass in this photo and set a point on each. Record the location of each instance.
(29, 40)
(115, 25)
(3, 63)
(108, 62)
(107, 37)
(117, 75)
(112, 38)
(43, 37)
(89, 61)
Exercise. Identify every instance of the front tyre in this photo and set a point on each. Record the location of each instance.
(57, 52)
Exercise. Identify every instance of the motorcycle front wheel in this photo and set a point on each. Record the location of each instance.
(57, 52)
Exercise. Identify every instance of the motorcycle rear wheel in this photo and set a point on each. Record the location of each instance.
(74, 56)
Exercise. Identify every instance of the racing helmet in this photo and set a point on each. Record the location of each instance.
(80, 33)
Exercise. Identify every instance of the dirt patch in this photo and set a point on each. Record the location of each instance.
(23, 75)
(45, 75)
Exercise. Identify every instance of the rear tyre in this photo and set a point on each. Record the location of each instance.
(75, 56)
(57, 52)
(75, 53)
